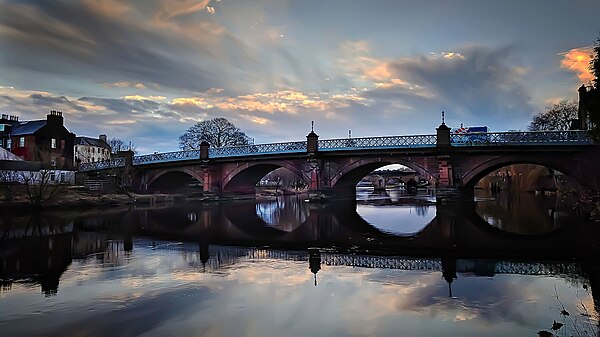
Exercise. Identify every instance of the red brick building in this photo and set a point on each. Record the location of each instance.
(46, 141)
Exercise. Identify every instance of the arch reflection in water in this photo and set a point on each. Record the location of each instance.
(525, 213)
(398, 220)
(283, 213)
(395, 212)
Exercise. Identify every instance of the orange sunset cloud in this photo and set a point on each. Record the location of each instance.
(577, 60)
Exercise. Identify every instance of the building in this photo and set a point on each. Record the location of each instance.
(46, 141)
(91, 150)
(14, 169)
(589, 110)
(6, 124)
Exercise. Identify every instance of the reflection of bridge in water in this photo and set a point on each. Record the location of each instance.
(223, 256)
(460, 233)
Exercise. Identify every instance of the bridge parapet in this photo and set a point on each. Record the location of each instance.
(377, 142)
(102, 165)
(571, 137)
(257, 149)
(166, 157)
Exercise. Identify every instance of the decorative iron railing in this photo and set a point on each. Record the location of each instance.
(102, 165)
(520, 138)
(166, 157)
(254, 149)
(377, 142)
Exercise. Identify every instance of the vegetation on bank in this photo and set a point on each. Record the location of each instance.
(589, 203)
(75, 197)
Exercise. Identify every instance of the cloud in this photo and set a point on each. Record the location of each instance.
(577, 60)
(46, 100)
(475, 84)
(125, 84)
(144, 98)
(282, 101)
(152, 44)
(173, 9)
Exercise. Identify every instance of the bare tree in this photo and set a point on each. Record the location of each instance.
(40, 185)
(117, 145)
(595, 64)
(556, 117)
(8, 180)
(594, 104)
(218, 132)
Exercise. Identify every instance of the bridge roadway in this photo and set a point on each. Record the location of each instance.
(334, 166)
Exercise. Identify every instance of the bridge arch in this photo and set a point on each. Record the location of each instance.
(349, 175)
(558, 163)
(244, 178)
(174, 176)
(394, 181)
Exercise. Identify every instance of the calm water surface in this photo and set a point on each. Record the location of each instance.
(385, 265)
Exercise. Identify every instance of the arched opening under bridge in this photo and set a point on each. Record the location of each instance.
(175, 181)
(265, 178)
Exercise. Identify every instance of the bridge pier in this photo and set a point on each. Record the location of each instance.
(455, 194)
(211, 182)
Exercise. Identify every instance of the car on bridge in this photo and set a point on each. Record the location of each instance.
(470, 135)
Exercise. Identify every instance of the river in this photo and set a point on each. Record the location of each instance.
(386, 264)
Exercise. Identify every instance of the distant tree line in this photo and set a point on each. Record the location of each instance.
(556, 117)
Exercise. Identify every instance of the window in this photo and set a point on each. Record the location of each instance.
(62, 144)
(21, 141)
(53, 143)
(8, 143)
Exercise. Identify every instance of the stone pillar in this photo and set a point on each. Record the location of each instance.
(443, 136)
(582, 111)
(204, 146)
(210, 183)
(125, 175)
(312, 143)
(445, 172)
(314, 164)
(315, 174)
(128, 155)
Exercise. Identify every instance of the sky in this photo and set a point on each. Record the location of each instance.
(146, 70)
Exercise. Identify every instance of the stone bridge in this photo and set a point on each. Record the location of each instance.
(379, 180)
(452, 162)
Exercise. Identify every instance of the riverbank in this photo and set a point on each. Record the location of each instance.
(79, 197)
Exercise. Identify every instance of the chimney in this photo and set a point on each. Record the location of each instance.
(55, 118)
(103, 138)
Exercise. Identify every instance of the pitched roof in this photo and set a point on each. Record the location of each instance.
(91, 142)
(6, 155)
(27, 128)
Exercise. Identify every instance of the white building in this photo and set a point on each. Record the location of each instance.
(91, 150)
(13, 169)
